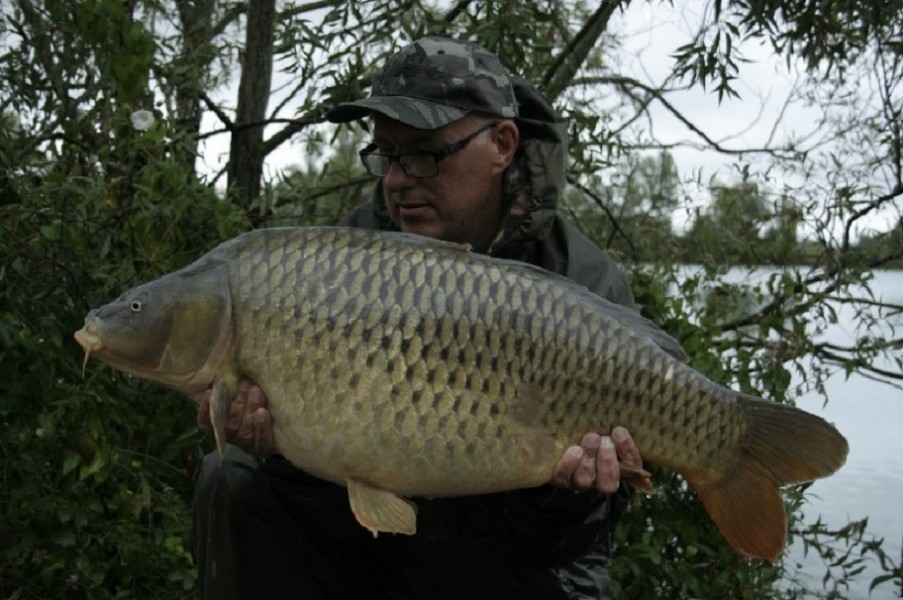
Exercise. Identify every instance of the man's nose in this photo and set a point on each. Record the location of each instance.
(396, 177)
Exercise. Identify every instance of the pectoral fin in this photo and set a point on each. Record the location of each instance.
(637, 477)
(379, 510)
(221, 396)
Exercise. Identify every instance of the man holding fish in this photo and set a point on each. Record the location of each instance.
(465, 153)
(435, 385)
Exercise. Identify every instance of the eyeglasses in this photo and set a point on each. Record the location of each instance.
(421, 165)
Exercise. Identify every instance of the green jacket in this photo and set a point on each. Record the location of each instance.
(565, 531)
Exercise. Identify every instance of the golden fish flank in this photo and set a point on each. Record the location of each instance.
(399, 365)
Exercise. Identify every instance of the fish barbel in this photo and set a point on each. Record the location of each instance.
(398, 365)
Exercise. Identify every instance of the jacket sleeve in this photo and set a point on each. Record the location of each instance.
(557, 526)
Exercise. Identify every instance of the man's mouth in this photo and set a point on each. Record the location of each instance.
(413, 209)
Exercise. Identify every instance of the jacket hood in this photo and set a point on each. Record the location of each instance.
(533, 183)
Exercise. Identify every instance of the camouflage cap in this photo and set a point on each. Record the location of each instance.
(433, 82)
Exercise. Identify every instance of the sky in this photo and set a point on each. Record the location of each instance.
(769, 108)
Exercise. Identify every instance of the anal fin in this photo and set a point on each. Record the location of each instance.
(380, 510)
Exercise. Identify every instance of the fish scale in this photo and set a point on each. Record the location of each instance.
(455, 333)
(403, 366)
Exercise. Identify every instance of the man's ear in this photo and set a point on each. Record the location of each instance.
(506, 137)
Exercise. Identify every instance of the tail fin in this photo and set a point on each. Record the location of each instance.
(782, 445)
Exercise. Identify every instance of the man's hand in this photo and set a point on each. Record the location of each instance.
(249, 425)
(600, 462)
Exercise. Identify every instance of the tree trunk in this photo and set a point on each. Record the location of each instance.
(246, 153)
(191, 75)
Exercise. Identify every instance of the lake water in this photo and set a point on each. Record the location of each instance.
(870, 484)
(870, 415)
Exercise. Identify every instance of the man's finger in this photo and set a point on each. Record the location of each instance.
(585, 475)
(608, 471)
(256, 399)
(255, 433)
(564, 470)
(238, 409)
(263, 431)
(245, 399)
(626, 448)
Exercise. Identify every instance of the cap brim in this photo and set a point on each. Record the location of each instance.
(414, 112)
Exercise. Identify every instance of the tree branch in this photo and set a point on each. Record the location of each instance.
(614, 221)
(220, 114)
(626, 82)
(560, 73)
(456, 10)
(293, 127)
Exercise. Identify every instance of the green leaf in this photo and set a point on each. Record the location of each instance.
(70, 461)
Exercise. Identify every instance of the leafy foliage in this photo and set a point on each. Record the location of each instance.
(97, 470)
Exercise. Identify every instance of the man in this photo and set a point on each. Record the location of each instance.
(464, 153)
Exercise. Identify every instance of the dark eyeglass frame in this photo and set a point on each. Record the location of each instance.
(381, 169)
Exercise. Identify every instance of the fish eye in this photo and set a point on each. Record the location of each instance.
(135, 305)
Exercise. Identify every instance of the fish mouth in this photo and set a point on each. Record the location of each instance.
(88, 339)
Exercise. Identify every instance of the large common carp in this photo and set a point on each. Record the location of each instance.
(401, 366)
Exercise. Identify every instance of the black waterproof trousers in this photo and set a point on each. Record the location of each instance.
(268, 530)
